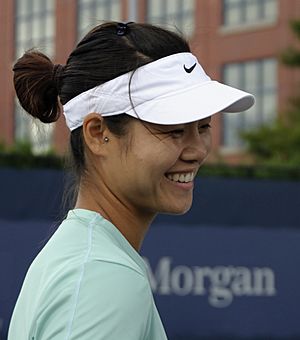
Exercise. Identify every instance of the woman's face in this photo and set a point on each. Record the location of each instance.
(153, 169)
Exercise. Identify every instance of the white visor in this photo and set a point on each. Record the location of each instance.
(171, 90)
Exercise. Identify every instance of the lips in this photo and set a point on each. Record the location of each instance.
(181, 177)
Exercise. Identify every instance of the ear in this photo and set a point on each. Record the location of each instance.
(94, 131)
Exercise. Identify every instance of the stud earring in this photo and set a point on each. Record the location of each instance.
(106, 139)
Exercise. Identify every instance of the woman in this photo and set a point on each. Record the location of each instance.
(139, 106)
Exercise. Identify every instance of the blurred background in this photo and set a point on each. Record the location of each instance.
(229, 269)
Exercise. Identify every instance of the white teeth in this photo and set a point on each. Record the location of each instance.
(182, 178)
(176, 177)
(188, 178)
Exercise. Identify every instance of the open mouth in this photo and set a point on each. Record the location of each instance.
(180, 177)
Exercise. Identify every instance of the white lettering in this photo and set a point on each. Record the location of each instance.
(200, 273)
(160, 281)
(220, 283)
(264, 282)
(220, 296)
(182, 280)
(241, 283)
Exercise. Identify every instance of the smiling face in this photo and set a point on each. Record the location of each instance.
(155, 172)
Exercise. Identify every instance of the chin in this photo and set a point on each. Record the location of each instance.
(177, 210)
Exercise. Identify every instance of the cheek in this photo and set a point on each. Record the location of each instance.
(149, 164)
(207, 141)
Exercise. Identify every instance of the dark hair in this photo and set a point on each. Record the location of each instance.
(100, 56)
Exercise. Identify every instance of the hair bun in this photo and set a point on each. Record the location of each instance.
(37, 82)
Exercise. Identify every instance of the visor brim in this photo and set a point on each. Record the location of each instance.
(193, 104)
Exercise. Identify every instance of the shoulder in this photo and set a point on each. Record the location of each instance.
(107, 301)
(117, 281)
(112, 299)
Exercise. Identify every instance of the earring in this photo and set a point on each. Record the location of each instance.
(106, 139)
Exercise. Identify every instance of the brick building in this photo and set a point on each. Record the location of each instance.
(237, 41)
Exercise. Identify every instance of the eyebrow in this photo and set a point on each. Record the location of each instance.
(161, 127)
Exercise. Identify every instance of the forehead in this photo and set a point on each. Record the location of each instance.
(170, 126)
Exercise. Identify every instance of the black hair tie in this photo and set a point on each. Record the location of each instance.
(122, 28)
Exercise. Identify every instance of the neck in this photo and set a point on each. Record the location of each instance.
(132, 222)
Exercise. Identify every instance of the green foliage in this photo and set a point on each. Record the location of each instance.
(23, 148)
(21, 156)
(270, 172)
(2, 146)
(295, 26)
(279, 143)
(291, 56)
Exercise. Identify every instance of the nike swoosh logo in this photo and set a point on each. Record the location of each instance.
(189, 70)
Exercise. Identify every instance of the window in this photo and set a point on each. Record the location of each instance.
(259, 78)
(172, 14)
(93, 12)
(34, 28)
(35, 25)
(245, 12)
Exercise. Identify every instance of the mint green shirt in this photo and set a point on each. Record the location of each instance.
(87, 283)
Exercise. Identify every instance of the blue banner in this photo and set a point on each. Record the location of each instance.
(207, 281)
(216, 281)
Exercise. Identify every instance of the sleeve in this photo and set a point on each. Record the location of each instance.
(114, 302)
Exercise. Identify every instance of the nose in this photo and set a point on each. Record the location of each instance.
(197, 147)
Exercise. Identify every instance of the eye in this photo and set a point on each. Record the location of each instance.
(176, 133)
(204, 127)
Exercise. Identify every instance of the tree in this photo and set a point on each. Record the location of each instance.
(279, 142)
